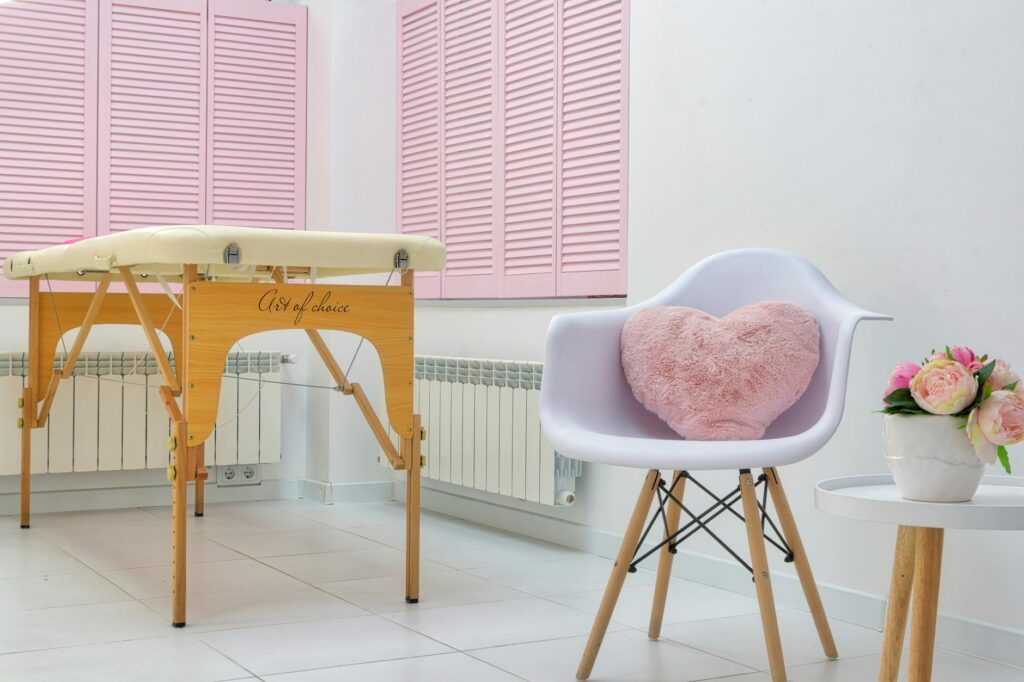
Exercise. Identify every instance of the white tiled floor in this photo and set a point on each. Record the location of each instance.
(298, 592)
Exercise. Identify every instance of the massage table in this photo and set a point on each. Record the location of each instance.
(218, 284)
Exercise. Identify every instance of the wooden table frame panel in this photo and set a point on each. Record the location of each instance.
(213, 317)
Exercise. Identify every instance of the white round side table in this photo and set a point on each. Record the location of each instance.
(998, 505)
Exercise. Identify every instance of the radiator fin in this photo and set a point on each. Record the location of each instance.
(108, 416)
(483, 429)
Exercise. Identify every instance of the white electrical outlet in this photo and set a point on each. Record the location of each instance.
(238, 474)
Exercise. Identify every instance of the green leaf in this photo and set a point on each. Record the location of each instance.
(1004, 458)
(985, 372)
(1011, 387)
(901, 396)
(949, 353)
(962, 426)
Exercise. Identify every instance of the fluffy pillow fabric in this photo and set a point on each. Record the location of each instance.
(720, 379)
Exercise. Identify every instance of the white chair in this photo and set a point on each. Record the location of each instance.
(588, 412)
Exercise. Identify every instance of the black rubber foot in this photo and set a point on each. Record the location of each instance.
(24, 525)
(199, 514)
(631, 569)
(178, 625)
(412, 600)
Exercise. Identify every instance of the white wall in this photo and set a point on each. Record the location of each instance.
(880, 140)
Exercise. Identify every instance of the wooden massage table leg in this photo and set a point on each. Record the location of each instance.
(27, 408)
(179, 530)
(200, 459)
(413, 461)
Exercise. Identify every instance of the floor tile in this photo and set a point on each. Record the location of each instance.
(468, 546)
(476, 626)
(18, 538)
(231, 525)
(214, 576)
(440, 668)
(101, 518)
(570, 575)
(296, 542)
(72, 625)
(319, 644)
(741, 638)
(626, 656)
(23, 562)
(48, 591)
(353, 514)
(351, 565)
(154, 552)
(449, 588)
(168, 659)
(245, 608)
(686, 601)
(948, 667)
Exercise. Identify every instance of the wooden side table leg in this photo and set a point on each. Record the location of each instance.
(899, 602)
(927, 571)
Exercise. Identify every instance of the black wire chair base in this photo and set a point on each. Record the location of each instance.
(699, 522)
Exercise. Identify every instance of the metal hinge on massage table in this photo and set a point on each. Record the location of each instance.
(232, 254)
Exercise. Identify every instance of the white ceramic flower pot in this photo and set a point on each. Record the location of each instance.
(931, 459)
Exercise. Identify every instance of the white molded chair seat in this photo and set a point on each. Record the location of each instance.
(588, 411)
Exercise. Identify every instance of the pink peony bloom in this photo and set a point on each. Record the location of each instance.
(1002, 376)
(944, 387)
(997, 421)
(962, 354)
(900, 377)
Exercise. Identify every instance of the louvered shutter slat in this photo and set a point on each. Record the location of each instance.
(530, 147)
(470, 128)
(152, 125)
(592, 184)
(48, 62)
(419, 112)
(257, 114)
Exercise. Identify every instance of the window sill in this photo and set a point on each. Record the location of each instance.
(578, 302)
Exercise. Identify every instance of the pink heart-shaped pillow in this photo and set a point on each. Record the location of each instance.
(724, 378)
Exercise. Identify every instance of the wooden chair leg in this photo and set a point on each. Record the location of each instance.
(899, 602)
(412, 513)
(762, 577)
(927, 572)
(179, 511)
(672, 512)
(801, 562)
(618, 576)
(27, 406)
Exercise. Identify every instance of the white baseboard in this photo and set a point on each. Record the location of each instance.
(974, 638)
(143, 495)
(329, 493)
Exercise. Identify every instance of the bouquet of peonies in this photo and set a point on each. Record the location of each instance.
(987, 394)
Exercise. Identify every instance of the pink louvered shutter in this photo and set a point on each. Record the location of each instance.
(419, 112)
(530, 147)
(591, 250)
(256, 113)
(152, 164)
(47, 125)
(470, 115)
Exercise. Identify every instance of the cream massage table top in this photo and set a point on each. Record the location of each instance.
(226, 252)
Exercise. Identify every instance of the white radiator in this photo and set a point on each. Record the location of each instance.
(483, 429)
(108, 416)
